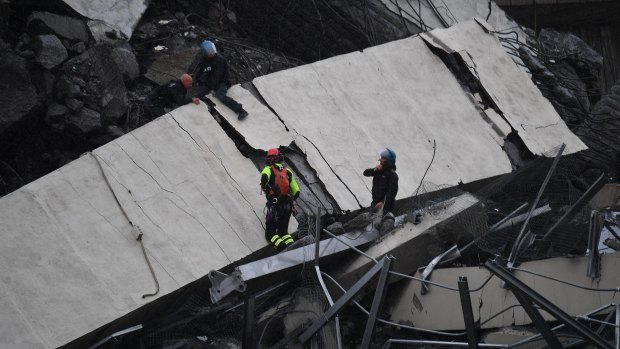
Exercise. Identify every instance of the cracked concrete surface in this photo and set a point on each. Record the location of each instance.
(180, 178)
(344, 110)
(513, 92)
(69, 252)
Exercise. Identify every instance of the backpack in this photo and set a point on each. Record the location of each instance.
(280, 181)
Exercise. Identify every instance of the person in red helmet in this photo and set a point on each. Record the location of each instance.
(278, 183)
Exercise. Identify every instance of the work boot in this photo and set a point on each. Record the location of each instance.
(242, 114)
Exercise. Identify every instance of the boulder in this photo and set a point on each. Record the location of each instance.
(568, 46)
(54, 113)
(17, 92)
(74, 104)
(50, 23)
(103, 33)
(78, 48)
(65, 87)
(86, 120)
(125, 59)
(49, 51)
(104, 88)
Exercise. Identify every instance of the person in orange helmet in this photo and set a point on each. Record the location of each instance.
(170, 95)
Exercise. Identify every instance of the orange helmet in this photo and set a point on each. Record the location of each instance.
(273, 155)
(186, 81)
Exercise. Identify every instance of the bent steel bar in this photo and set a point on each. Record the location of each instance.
(542, 302)
(344, 300)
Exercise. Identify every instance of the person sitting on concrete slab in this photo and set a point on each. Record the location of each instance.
(170, 95)
(384, 182)
(278, 183)
(212, 75)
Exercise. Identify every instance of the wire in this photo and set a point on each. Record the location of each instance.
(260, 339)
(427, 168)
(617, 289)
(441, 285)
(389, 322)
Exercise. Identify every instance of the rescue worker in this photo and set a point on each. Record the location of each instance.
(212, 74)
(278, 183)
(170, 95)
(384, 182)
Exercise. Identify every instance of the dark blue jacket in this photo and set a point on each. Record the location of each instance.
(212, 72)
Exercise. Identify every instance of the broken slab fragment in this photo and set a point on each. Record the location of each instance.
(120, 15)
(414, 245)
(429, 310)
(519, 101)
(344, 110)
(67, 250)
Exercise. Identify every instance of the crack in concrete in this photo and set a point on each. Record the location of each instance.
(523, 126)
(321, 154)
(145, 214)
(225, 220)
(237, 186)
(145, 171)
(203, 226)
(148, 153)
(81, 197)
(333, 171)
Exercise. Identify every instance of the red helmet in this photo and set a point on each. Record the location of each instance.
(273, 155)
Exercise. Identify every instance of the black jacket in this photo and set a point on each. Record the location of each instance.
(212, 72)
(169, 95)
(384, 187)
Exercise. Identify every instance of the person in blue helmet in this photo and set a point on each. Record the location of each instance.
(212, 75)
(384, 182)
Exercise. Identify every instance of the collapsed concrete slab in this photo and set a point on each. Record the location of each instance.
(445, 13)
(120, 15)
(428, 311)
(413, 245)
(261, 129)
(69, 252)
(519, 100)
(344, 110)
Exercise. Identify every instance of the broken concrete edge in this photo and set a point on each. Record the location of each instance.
(254, 91)
(450, 57)
(400, 242)
(257, 156)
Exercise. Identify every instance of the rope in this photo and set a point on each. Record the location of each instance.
(136, 227)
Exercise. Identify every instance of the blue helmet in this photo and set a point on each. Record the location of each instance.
(207, 47)
(390, 156)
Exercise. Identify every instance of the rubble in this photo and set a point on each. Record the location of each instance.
(50, 23)
(18, 95)
(49, 51)
(184, 185)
